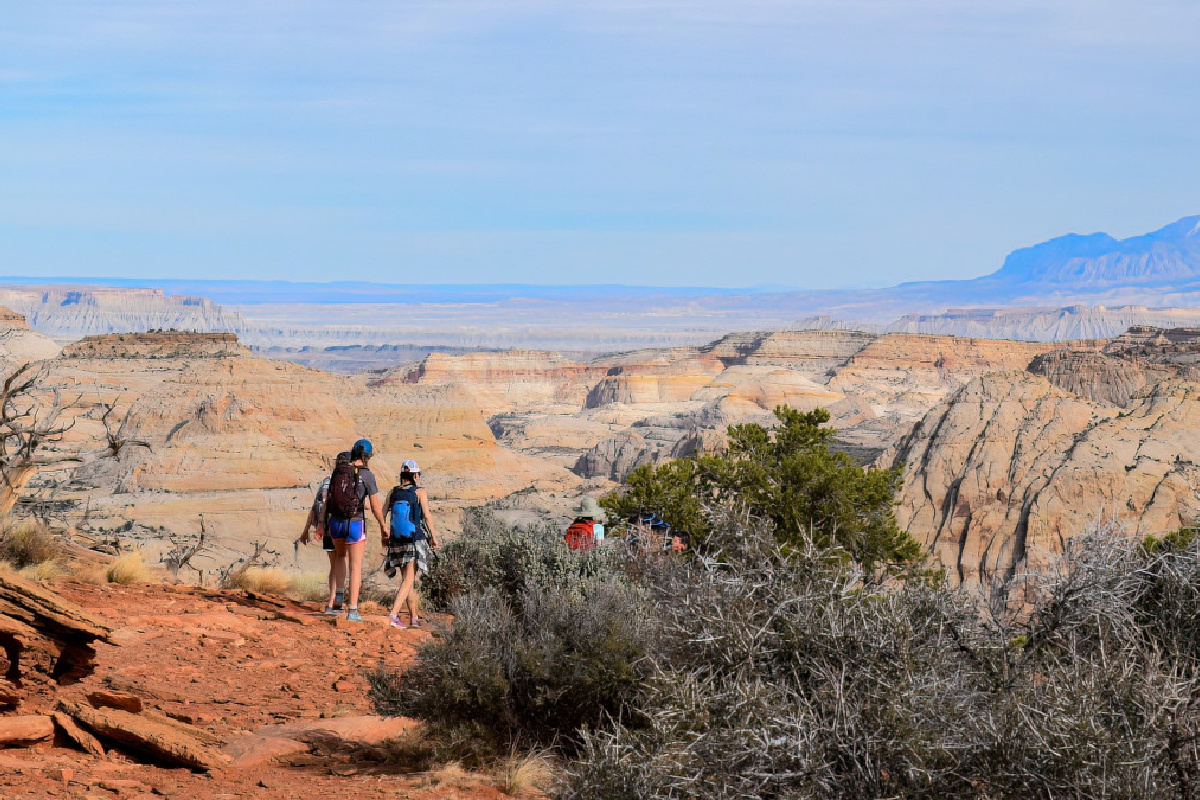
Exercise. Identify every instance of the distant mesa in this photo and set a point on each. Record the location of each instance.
(157, 344)
(10, 319)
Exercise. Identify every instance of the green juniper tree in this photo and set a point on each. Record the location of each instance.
(791, 476)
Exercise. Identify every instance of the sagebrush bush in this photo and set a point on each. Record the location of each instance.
(28, 543)
(534, 672)
(768, 669)
(491, 554)
(780, 675)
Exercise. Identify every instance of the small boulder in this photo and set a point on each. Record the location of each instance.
(27, 730)
(162, 742)
(103, 698)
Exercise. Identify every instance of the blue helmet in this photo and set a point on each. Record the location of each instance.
(361, 448)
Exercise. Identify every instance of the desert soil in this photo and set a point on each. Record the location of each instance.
(260, 674)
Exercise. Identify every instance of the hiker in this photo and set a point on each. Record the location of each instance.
(640, 527)
(352, 487)
(316, 519)
(409, 541)
(660, 534)
(588, 527)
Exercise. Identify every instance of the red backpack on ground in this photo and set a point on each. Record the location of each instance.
(580, 535)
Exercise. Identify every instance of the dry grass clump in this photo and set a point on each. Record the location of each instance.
(89, 572)
(128, 568)
(310, 587)
(525, 775)
(46, 571)
(263, 580)
(27, 543)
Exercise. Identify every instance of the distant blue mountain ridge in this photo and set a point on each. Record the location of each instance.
(1095, 268)
(1167, 255)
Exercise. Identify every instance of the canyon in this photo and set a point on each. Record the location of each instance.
(1007, 448)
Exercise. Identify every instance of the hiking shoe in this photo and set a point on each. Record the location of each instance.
(331, 612)
(339, 601)
(353, 616)
(395, 620)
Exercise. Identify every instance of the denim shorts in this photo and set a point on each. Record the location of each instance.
(352, 530)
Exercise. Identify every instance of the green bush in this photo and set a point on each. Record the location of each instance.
(790, 476)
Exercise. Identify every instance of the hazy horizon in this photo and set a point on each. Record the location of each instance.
(659, 142)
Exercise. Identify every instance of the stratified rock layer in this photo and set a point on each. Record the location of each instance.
(999, 475)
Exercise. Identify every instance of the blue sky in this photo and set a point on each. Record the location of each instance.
(812, 144)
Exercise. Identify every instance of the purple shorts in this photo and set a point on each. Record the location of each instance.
(352, 530)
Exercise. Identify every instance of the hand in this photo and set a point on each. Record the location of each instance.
(304, 538)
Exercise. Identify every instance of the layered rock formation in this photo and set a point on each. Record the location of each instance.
(169, 427)
(67, 313)
(19, 344)
(999, 475)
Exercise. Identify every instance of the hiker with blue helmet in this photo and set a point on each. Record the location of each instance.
(316, 520)
(409, 542)
(352, 489)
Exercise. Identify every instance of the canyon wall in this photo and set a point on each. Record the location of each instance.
(1008, 448)
(1002, 472)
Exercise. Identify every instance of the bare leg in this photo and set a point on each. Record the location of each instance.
(414, 602)
(337, 572)
(406, 585)
(355, 552)
(333, 578)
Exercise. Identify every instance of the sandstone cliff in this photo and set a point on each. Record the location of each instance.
(67, 313)
(1001, 473)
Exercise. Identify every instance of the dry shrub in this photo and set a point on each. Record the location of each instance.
(451, 773)
(48, 571)
(536, 671)
(530, 774)
(128, 568)
(89, 572)
(782, 675)
(310, 587)
(262, 580)
(27, 543)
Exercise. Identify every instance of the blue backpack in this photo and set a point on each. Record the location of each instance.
(406, 515)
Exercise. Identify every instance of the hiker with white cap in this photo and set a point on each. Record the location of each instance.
(588, 528)
(409, 541)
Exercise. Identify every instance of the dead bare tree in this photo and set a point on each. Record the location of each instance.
(261, 557)
(27, 425)
(182, 553)
(115, 434)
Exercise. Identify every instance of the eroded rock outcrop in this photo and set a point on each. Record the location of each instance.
(1096, 376)
(1000, 474)
(44, 640)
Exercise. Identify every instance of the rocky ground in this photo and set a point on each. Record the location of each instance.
(279, 690)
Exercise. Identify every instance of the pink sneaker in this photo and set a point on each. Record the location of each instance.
(396, 623)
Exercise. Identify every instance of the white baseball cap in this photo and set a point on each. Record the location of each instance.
(410, 466)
